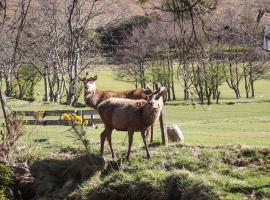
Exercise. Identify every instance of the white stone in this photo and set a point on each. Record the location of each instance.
(175, 134)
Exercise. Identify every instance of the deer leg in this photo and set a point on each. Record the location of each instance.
(145, 143)
(102, 140)
(130, 141)
(149, 134)
(109, 138)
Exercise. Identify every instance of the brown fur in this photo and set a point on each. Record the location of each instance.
(93, 97)
(129, 94)
(129, 115)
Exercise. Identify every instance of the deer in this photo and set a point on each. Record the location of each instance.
(130, 115)
(93, 97)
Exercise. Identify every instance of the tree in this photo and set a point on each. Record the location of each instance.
(13, 27)
(134, 53)
(60, 42)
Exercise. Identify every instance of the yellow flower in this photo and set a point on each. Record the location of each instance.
(73, 118)
(86, 122)
(66, 116)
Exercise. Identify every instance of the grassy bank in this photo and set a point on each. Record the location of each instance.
(212, 165)
(173, 172)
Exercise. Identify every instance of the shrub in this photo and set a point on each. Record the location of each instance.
(8, 139)
(6, 181)
(77, 128)
(25, 80)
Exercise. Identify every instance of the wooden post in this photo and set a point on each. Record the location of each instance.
(164, 135)
(152, 133)
(91, 120)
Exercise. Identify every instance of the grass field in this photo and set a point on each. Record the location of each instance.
(240, 123)
(210, 165)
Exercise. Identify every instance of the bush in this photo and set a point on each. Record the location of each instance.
(25, 80)
(112, 36)
(6, 181)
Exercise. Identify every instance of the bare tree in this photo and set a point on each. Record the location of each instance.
(80, 17)
(134, 53)
(13, 27)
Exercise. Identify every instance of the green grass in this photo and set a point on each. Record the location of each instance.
(211, 171)
(174, 172)
(201, 124)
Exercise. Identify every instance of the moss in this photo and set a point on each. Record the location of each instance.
(6, 180)
(152, 184)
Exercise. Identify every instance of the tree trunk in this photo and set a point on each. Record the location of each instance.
(60, 86)
(8, 91)
(21, 93)
(246, 82)
(46, 96)
(218, 96)
(237, 93)
(142, 81)
(186, 89)
(46, 83)
(173, 90)
(70, 94)
(252, 88)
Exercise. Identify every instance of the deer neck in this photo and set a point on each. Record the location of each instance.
(150, 115)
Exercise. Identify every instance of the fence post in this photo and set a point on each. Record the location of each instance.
(164, 135)
(91, 119)
(152, 133)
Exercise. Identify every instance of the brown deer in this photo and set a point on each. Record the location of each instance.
(93, 97)
(129, 115)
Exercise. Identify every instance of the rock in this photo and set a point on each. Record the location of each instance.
(174, 133)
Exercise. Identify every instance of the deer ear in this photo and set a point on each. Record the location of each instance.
(147, 90)
(162, 91)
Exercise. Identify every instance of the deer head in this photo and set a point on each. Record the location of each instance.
(155, 97)
(89, 84)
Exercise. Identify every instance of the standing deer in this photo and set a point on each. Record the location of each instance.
(129, 115)
(93, 96)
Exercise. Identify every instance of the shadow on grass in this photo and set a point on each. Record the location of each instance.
(258, 191)
(56, 179)
(154, 144)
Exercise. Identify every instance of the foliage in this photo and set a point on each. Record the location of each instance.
(6, 180)
(9, 140)
(113, 35)
(77, 128)
(24, 83)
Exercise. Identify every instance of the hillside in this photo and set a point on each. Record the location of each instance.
(245, 6)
